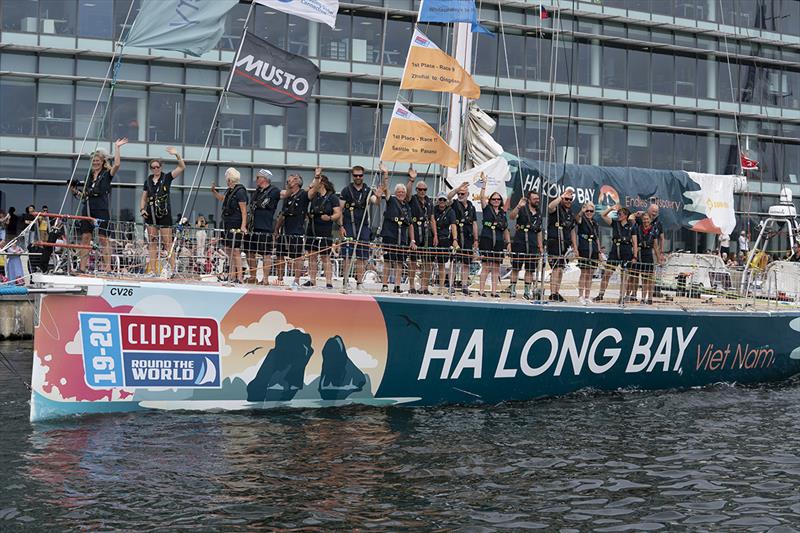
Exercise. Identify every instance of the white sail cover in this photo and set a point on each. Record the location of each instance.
(714, 200)
(479, 144)
(497, 172)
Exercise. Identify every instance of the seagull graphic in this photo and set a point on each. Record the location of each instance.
(410, 322)
(254, 350)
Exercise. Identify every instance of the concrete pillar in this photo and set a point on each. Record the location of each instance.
(711, 78)
(595, 152)
(711, 154)
(595, 63)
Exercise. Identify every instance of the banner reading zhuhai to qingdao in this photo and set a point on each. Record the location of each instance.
(412, 139)
(429, 68)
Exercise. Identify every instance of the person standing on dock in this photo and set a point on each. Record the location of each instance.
(560, 222)
(156, 209)
(623, 249)
(355, 200)
(586, 243)
(260, 224)
(95, 195)
(422, 218)
(467, 226)
(234, 220)
(526, 246)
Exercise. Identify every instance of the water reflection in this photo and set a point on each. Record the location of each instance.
(717, 459)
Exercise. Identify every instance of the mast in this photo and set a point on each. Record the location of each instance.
(457, 106)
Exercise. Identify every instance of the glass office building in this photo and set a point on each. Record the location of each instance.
(644, 83)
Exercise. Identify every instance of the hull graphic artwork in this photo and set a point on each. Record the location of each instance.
(167, 346)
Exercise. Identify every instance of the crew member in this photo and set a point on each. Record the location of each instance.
(95, 195)
(234, 220)
(795, 255)
(653, 211)
(260, 225)
(647, 236)
(291, 225)
(156, 209)
(467, 227)
(323, 211)
(527, 245)
(494, 239)
(355, 225)
(444, 237)
(624, 249)
(397, 232)
(422, 218)
(560, 222)
(586, 243)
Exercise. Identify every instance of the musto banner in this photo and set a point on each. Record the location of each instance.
(700, 202)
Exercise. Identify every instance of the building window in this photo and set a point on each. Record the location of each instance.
(333, 128)
(121, 8)
(638, 71)
(366, 43)
(129, 114)
(17, 119)
(299, 122)
(663, 73)
(96, 19)
(662, 150)
(199, 112)
(362, 136)
(57, 17)
(165, 117)
(269, 126)
(638, 148)
(85, 101)
(398, 38)
(614, 143)
(234, 24)
(613, 67)
(54, 112)
(485, 55)
(19, 15)
(686, 76)
(235, 122)
(335, 43)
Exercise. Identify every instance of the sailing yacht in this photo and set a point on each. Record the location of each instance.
(212, 345)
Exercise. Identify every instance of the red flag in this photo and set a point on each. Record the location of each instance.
(747, 163)
(543, 14)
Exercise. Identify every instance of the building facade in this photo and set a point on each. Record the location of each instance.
(642, 83)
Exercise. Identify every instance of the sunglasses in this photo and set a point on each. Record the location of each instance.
(590, 210)
(358, 175)
(153, 167)
(442, 199)
(422, 189)
(494, 199)
(568, 199)
(462, 194)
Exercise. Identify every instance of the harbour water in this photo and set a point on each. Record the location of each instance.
(722, 458)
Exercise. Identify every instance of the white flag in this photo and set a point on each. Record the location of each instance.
(317, 10)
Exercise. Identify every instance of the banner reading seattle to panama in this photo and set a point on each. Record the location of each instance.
(413, 140)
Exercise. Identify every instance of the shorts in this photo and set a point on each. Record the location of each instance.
(258, 243)
(161, 222)
(556, 254)
(102, 218)
(233, 239)
(589, 262)
(320, 245)
(290, 246)
(442, 253)
(360, 247)
(464, 256)
(392, 251)
(613, 263)
(644, 267)
(521, 258)
(491, 251)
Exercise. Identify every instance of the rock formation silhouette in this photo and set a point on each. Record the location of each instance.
(281, 373)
